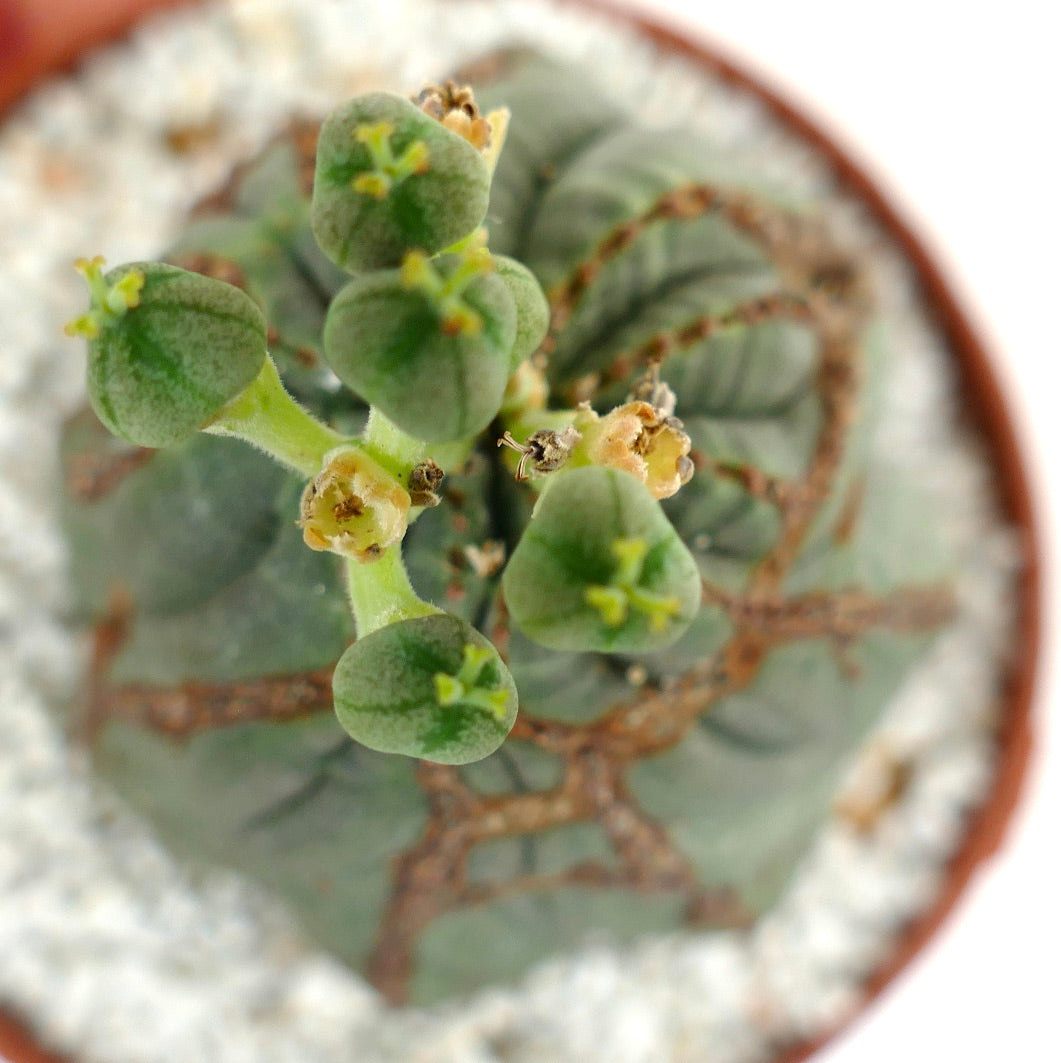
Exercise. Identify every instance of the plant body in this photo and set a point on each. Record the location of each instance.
(640, 507)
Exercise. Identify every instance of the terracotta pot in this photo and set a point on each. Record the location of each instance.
(984, 401)
(39, 38)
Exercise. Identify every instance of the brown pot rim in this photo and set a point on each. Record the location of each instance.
(985, 401)
(30, 55)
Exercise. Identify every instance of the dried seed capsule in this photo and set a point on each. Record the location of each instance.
(600, 568)
(546, 450)
(432, 687)
(425, 480)
(167, 349)
(454, 106)
(391, 178)
(428, 344)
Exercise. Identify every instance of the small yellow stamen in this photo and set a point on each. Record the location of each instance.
(612, 604)
(464, 688)
(387, 169)
(622, 593)
(447, 293)
(107, 303)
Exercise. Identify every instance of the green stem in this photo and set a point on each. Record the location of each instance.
(381, 594)
(266, 416)
(398, 452)
(525, 423)
(380, 591)
(394, 449)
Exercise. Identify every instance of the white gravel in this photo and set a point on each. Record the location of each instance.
(118, 954)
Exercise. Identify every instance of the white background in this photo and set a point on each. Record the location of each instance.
(954, 107)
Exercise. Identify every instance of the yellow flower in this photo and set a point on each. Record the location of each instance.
(639, 439)
(353, 507)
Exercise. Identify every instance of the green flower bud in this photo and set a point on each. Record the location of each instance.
(167, 349)
(532, 308)
(432, 687)
(600, 568)
(428, 344)
(391, 178)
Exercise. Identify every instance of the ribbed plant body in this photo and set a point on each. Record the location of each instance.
(637, 792)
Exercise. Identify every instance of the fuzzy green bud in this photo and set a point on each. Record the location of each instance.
(532, 308)
(600, 568)
(431, 687)
(428, 345)
(167, 349)
(391, 178)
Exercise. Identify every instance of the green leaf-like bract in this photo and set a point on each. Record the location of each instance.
(391, 345)
(568, 549)
(165, 368)
(429, 210)
(532, 308)
(386, 696)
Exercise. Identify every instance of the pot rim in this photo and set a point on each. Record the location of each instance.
(985, 400)
(29, 57)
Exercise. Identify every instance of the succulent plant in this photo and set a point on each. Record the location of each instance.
(645, 509)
